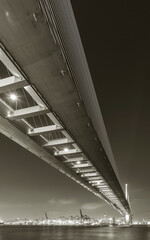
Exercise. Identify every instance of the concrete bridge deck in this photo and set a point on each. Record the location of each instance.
(56, 114)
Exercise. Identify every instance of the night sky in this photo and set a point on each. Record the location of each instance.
(116, 38)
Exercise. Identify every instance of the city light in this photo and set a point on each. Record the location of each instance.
(74, 221)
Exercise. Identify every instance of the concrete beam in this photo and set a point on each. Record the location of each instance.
(42, 130)
(9, 63)
(94, 178)
(54, 119)
(110, 193)
(104, 186)
(106, 190)
(82, 165)
(70, 160)
(66, 135)
(57, 142)
(11, 83)
(98, 184)
(96, 181)
(66, 152)
(87, 170)
(27, 112)
(35, 96)
(90, 174)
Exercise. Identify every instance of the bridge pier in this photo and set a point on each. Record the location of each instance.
(128, 219)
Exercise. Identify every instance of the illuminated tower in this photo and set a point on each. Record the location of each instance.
(128, 217)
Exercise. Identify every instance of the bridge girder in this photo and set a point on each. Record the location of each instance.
(11, 83)
(51, 65)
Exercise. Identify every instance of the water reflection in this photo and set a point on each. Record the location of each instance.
(74, 233)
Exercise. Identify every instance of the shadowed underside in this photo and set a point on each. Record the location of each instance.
(56, 115)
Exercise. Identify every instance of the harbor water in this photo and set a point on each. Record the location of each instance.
(74, 233)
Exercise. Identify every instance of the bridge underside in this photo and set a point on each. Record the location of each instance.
(49, 117)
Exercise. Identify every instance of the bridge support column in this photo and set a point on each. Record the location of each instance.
(128, 219)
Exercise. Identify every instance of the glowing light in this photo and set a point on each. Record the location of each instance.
(7, 13)
(29, 131)
(127, 218)
(40, 104)
(8, 114)
(66, 149)
(13, 97)
(56, 152)
(78, 162)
